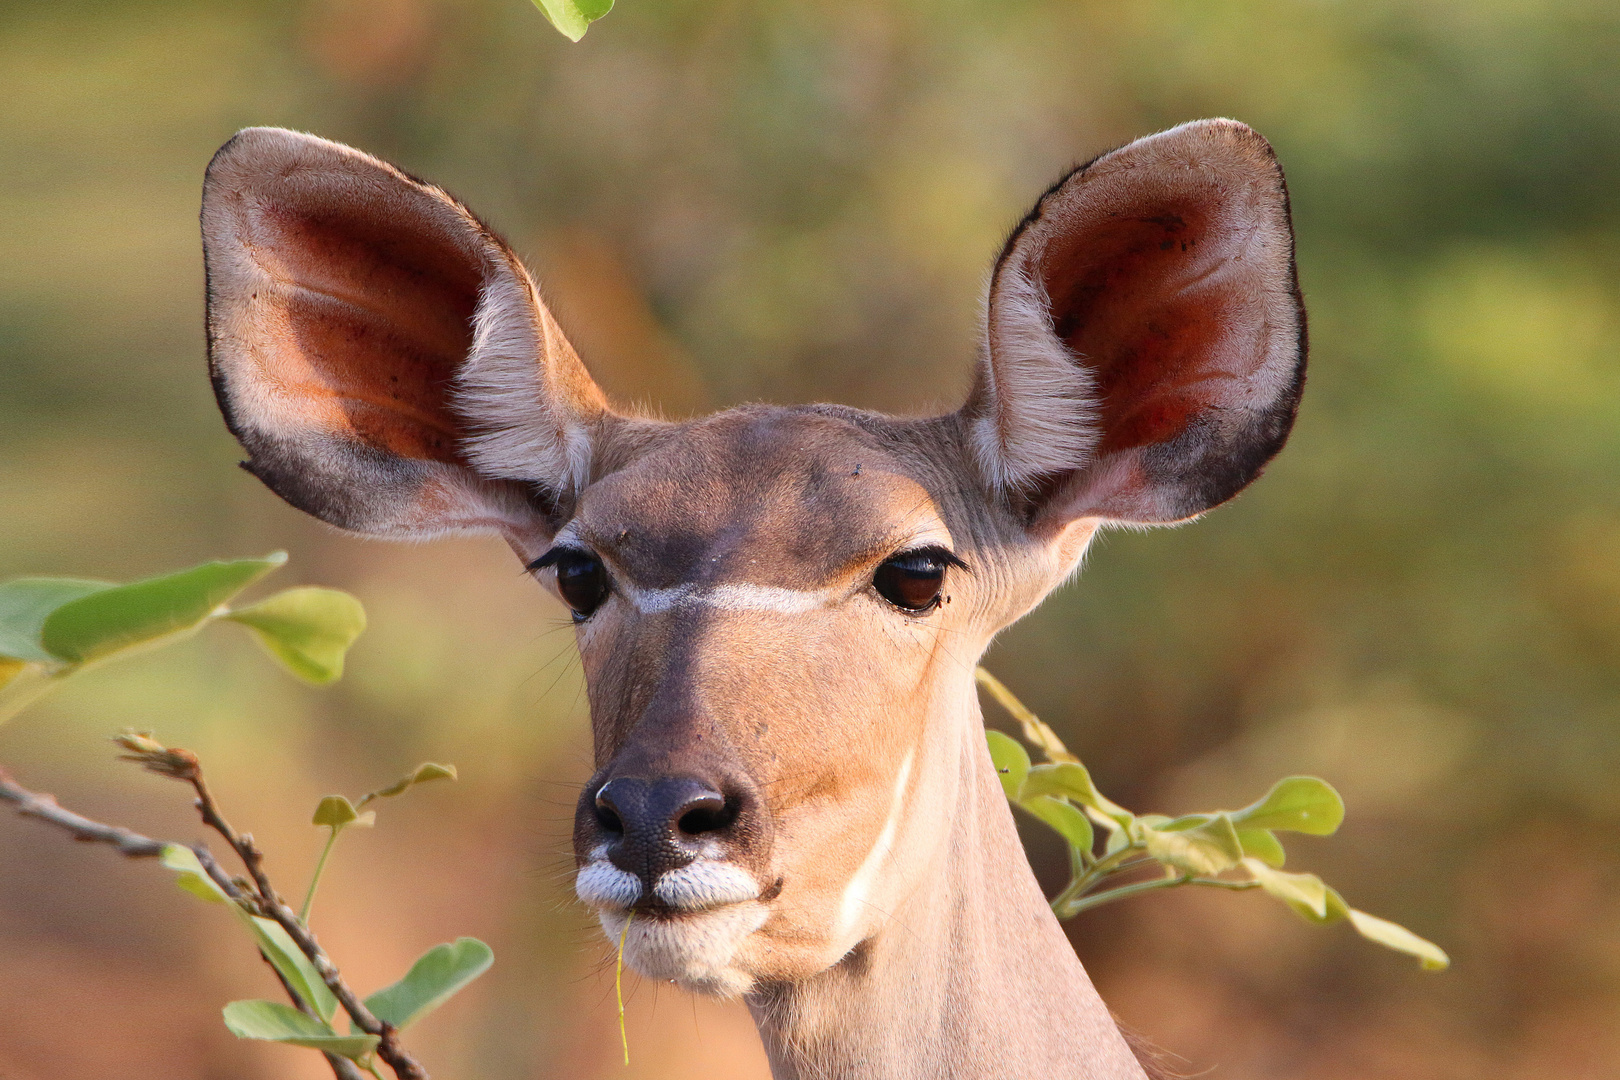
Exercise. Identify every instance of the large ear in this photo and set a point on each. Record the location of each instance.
(1146, 339)
(383, 357)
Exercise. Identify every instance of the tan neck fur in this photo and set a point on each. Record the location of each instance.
(971, 977)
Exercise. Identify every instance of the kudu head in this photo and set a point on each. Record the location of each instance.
(778, 609)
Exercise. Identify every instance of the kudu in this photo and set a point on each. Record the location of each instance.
(779, 609)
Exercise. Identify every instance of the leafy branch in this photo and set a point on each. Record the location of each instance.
(52, 629)
(1110, 847)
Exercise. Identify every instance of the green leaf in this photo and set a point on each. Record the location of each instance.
(423, 773)
(1072, 779)
(573, 17)
(1306, 894)
(1208, 848)
(308, 629)
(291, 963)
(275, 1022)
(1180, 824)
(1296, 804)
(439, 973)
(1063, 816)
(25, 604)
(1263, 844)
(276, 944)
(124, 616)
(191, 875)
(1011, 761)
(334, 812)
(1397, 937)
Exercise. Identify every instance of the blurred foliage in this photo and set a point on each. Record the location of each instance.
(1236, 850)
(56, 629)
(798, 200)
(53, 629)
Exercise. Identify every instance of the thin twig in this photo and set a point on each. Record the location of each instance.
(133, 845)
(180, 764)
(44, 807)
(272, 907)
(1085, 903)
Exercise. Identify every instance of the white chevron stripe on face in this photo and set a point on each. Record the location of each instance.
(729, 598)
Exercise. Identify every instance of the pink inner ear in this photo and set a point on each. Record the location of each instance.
(371, 319)
(1140, 299)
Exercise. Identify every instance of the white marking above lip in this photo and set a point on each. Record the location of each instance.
(707, 883)
(601, 884)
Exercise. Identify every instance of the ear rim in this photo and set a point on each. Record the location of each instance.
(464, 498)
(1050, 466)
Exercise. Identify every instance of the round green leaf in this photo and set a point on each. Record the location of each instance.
(124, 616)
(308, 629)
(1397, 937)
(1011, 761)
(1072, 780)
(1295, 804)
(573, 17)
(26, 603)
(275, 1022)
(334, 812)
(1063, 816)
(1262, 844)
(439, 973)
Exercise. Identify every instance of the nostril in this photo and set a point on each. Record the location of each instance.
(607, 813)
(608, 819)
(708, 814)
(636, 814)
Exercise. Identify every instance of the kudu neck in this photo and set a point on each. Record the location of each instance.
(970, 977)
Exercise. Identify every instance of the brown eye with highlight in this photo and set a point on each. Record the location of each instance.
(913, 581)
(582, 580)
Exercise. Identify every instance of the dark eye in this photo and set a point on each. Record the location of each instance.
(912, 581)
(581, 579)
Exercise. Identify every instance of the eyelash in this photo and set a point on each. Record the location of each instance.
(914, 581)
(582, 579)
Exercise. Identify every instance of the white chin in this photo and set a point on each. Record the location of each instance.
(696, 951)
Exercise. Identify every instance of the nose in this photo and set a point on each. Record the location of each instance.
(657, 825)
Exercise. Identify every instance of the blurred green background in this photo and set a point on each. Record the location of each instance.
(784, 199)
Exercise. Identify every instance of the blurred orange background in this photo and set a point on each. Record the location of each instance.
(790, 199)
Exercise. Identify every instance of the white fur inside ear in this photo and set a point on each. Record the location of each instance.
(1041, 415)
(524, 425)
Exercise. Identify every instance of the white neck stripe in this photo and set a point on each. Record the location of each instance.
(856, 892)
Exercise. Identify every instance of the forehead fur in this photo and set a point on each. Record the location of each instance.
(780, 495)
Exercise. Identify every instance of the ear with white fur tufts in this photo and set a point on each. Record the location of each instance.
(383, 357)
(1145, 346)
